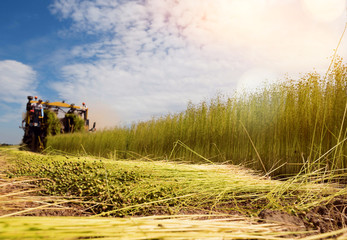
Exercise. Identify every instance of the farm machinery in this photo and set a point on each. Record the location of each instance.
(44, 119)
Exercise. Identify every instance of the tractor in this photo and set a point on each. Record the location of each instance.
(44, 119)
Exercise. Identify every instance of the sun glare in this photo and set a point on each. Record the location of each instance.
(255, 78)
(240, 10)
(323, 10)
(230, 20)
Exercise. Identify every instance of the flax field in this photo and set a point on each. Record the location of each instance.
(294, 126)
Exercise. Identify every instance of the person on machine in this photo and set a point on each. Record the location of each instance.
(37, 113)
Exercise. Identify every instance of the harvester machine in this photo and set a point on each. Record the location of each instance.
(51, 118)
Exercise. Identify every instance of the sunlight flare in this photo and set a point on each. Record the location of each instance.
(323, 10)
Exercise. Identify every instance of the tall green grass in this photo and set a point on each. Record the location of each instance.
(279, 129)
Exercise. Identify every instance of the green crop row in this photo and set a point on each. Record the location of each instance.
(284, 128)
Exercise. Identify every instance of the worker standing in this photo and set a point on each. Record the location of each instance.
(40, 108)
(84, 106)
(37, 110)
(29, 102)
(36, 119)
(84, 110)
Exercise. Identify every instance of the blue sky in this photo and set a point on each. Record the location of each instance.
(130, 60)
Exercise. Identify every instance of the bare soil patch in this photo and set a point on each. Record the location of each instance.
(327, 218)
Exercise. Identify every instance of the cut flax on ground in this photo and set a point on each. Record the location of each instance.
(105, 187)
(175, 227)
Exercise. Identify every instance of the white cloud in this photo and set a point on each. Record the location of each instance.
(16, 80)
(153, 56)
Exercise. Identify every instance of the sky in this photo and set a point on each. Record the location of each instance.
(131, 60)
